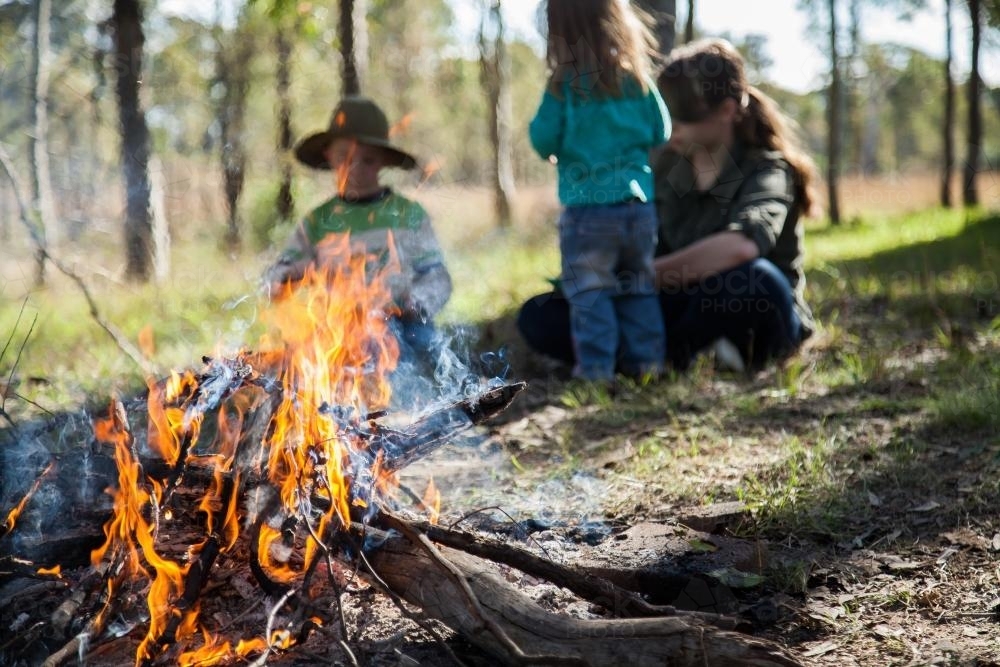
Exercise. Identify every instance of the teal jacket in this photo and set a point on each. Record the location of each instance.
(601, 144)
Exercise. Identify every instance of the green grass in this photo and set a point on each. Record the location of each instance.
(878, 285)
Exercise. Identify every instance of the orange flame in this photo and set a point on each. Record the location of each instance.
(344, 168)
(402, 127)
(55, 571)
(147, 344)
(168, 423)
(432, 502)
(15, 512)
(331, 347)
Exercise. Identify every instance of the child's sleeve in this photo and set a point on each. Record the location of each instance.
(661, 117)
(430, 282)
(294, 258)
(546, 127)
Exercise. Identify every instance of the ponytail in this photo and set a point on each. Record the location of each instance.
(765, 126)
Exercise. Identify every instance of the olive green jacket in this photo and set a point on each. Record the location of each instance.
(754, 195)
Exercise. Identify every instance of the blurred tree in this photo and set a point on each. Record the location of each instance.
(664, 15)
(970, 195)
(948, 128)
(145, 250)
(42, 199)
(353, 43)
(234, 54)
(495, 76)
(753, 48)
(833, 121)
(689, 24)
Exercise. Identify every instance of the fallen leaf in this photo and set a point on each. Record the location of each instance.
(823, 612)
(996, 542)
(926, 507)
(736, 578)
(701, 546)
(874, 500)
(965, 537)
(820, 649)
(945, 555)
(886, 632)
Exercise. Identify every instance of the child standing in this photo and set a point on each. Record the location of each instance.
(599, 117)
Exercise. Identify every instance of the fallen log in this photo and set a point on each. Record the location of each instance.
(468, 595)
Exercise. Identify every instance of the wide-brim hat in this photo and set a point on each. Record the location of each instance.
(356, 118)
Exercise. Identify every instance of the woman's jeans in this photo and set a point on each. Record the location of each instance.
(752, 305)
(607, 279)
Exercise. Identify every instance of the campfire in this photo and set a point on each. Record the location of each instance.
(275, 469)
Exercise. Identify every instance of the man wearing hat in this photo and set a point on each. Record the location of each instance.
(383, 223)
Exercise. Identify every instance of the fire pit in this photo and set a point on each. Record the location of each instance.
(270, 478)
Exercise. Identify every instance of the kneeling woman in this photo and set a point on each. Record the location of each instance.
(731, 186)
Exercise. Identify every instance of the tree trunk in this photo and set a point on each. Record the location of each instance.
(495, 70)
(689, 24)
(853, 98)
(42, 199)
(283, 46)
(664, 14)
(949, 112)
(833, 120)
(348, 55)
(233, 57)
(970, 196)
(129, 40)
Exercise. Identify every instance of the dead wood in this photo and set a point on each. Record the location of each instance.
(469, 596)
(621, 602)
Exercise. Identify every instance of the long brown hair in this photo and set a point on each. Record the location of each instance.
(597, 45)
(699, 76)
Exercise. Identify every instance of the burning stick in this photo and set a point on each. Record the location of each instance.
(8, 524)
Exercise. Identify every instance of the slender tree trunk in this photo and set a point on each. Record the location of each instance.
(854, 102)
(129, 41)
(689, 24)
(949, 112)
(833, 120)
(970, 195)
(42, 198)
(233, 56)
(664, 13)
(348, 54)
(495, 70)
(283, 76)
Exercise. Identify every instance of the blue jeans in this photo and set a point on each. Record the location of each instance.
(607, 277)
(752, 305)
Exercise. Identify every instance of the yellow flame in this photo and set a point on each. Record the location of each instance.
(432, 501)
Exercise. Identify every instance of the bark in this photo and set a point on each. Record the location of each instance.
(853, 97)
(664, 15)
(495, 75)
(689, 25)
(471, 597)
(283, 46)
(350, 75)
(833, 121)
(42, 199)
(949, 112)
(233, 56)
(135, 149)
(970, 194)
